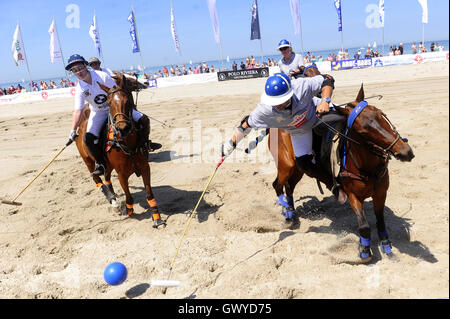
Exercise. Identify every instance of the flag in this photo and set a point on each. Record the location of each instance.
(214, 18)
(174, 31)
(424, 5)
(55, 48)
(381, 12)
(255, 34)
(295, 11)
(95, 35)
(337, 4)
(18, 49)
(133, 33)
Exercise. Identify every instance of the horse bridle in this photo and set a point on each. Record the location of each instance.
(127, 118)
(385, 152)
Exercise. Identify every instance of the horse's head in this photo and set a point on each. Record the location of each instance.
(376, 130)
(121, 105)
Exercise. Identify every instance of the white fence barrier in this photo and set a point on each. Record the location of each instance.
(324, 66)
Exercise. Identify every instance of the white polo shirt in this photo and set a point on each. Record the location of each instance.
(92, 93)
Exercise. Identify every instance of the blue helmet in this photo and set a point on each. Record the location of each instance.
(75, 58)
(277, 90)
(284, 43)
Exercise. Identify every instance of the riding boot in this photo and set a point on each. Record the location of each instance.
(316, 170)
(96, 152)
(144, 143)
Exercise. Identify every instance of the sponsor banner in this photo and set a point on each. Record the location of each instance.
(37, 96)
(152, 83)
(351, 64)
(186, 79)
(243, 74)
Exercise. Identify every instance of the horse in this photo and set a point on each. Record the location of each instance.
(370, 142)
(122, 155)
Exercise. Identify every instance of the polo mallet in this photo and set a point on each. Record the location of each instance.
(173, 283)
(13, 202)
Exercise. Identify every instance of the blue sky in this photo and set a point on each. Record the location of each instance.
(195, 33)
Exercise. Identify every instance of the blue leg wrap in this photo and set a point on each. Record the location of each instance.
(288, 212)
(290, 200)
(383, 235)
(364, 248)
(282, 200)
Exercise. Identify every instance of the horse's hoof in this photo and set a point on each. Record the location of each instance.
(114, 203)
(364, 253)
(159, 223)
(386, 247)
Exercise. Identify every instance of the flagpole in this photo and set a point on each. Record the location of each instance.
(383, 37)
(137, 39)
(62, 56)
(26, 59)
(221, 57)
(262, 55)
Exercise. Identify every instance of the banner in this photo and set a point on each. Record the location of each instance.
(381, 12)
(424, 5)
(295, 11)
(174, 31)
(133, 32)
(254, 33)
(214, 18)
(337, 4)
(351, 64)
(95, 36)
(243, 74)
(55, 49)
(18, 49)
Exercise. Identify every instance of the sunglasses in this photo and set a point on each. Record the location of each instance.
(284, 48)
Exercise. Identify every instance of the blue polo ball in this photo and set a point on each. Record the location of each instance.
(115, 273)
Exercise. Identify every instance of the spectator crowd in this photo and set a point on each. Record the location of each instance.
(42, 86)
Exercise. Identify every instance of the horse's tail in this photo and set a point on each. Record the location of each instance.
(258, 139)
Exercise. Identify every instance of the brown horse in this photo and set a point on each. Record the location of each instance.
(123, 155)
(370, 141)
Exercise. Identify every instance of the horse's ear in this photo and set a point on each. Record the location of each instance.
(360, 96)
(103, 87)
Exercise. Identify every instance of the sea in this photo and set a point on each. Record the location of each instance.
(227, 62)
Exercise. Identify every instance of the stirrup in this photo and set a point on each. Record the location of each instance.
(99, 170)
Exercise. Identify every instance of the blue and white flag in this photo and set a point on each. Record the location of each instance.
(295, 11)
(95, 35)
(214, 18)
(174, 31)
(381, 12)
(254, 33)
(133, 33)
(337, 4)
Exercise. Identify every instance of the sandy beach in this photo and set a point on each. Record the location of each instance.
(58, 243)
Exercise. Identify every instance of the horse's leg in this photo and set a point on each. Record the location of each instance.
(98, 181)
(112, 195)
(379, 200)
(296, 176)
(363, 228)
(123, 179)
(145, 170)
